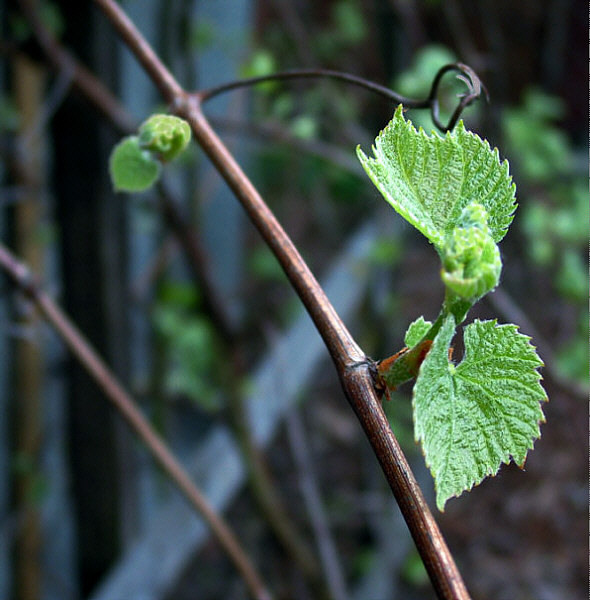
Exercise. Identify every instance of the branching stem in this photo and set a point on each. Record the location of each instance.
(352, 366)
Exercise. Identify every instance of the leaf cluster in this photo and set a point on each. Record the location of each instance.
(473, 416)
(136, 161)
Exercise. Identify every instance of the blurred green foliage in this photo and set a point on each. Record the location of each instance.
(541, 149)
(9, 116)
(189, 344)
(413, 570)
(346, 28)
(308, 112)
(203, 34)
(26, 468)
(417, 78)
(552, 190)
(264, 266)
(261, 63)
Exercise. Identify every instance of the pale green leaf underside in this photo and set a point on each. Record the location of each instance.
(484, 412)
(131, 167)
(416, 331)
(429, 180)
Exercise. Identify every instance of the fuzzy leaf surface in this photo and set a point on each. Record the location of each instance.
(429, 180)
(473, 417)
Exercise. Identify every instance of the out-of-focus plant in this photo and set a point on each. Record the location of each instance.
(189, 343)
(555, 209)
(347, 27)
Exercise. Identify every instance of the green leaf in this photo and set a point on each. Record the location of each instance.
(416, 331)
(473, 417)
(429, 180)
(165, 135)
(132, 168)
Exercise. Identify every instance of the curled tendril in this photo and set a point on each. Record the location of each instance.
(474, 90)
(466, 74)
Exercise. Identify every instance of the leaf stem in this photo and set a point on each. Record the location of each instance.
(405, 364)
(453, 305)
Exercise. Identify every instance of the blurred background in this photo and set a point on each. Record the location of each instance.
(217, 349)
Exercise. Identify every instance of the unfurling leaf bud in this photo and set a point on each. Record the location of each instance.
(135, 162)
(165, 135)
(471, 259)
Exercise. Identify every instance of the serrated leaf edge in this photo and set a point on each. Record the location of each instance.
(458, 134)
(419, 436)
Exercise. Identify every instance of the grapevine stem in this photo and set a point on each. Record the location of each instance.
(352, 366)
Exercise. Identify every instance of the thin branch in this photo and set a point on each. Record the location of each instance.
(466, 74)
(313, 503)
(82, 78)
(149, 60)
(127, 407)
(353, 367)
(343, 348)
(267, 497)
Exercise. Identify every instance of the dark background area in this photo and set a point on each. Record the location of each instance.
(83, 511)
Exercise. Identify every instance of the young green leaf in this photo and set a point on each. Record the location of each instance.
(165, 135)
(416, 331)
(429, 180)
(473, 417)
(132, 168)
